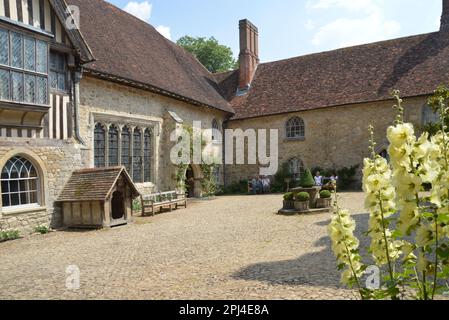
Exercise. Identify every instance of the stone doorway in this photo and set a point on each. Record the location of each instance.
(193, 181)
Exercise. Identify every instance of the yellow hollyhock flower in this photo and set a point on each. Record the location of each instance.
(400, 134)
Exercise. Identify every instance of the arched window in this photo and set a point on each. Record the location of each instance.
(19, 183)
(126, 149)
(137, 155)
(147, 154)
(296, 168)
(113, 146)
(215, 130)
(429, 116)
(99, 146)
(295, 128)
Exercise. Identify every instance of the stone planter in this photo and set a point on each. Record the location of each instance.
(289, 204)
(302, 206)
(313, 192)
(324, 203)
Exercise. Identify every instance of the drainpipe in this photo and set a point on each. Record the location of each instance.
(78, 75)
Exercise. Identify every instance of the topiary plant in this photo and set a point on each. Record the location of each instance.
(302, 197)
(289, 196)
(306, 180)
(325, 194)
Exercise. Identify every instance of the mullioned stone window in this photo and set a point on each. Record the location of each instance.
(131, 147)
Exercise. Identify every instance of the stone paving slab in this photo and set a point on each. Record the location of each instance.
(233, 247)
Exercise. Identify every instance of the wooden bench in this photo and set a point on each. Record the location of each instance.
(161, 200)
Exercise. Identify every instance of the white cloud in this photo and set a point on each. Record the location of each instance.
(369, 25)
(165, 31)
(141, 10)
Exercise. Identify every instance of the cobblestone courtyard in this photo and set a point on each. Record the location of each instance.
(226, 248)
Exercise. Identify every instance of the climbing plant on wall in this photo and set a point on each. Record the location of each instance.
(208, 181)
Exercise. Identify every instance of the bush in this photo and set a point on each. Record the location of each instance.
(137, 205)
(240, 187)
(307, 179)
(42, 229)
(302, 197)
(9, 235)
(346, 177)
(279, 184)
(325, 194)
(289, 196)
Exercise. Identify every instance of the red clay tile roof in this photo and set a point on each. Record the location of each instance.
(93, 184)
(414, 65)
(131, 49)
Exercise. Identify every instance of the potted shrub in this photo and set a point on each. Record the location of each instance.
(289, 201)
(325, 200)
(306, 180)
(302, 201)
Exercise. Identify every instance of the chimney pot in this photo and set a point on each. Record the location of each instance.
(249, 53)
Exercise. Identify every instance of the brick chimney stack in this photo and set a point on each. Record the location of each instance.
(445, 17)
(249, 53)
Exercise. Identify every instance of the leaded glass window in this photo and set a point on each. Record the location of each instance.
(4, 85)
(429, 116)
(113, 146)
(215, 130)
(99, 146)
(42, 57)
(17, 86)
(23, 68)
(16, 50)
(30, 54)
(19, 183)
(126, 148)
(296, 168)
(137, 155)
(147, 154)
(4, 47)
(30, 88)
(42, 91)
(295, 128)
(57, 71)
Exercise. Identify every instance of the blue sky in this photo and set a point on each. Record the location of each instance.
(290, 28)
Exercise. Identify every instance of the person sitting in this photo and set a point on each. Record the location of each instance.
(266, 184)
(254, 185)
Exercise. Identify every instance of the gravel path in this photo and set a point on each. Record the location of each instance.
(227, 248)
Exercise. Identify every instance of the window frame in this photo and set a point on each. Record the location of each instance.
(299, 165)
(58, 71)
(23, 71)
(288, 127)
(37, 191)
(215, 126)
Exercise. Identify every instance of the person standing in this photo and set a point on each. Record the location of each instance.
(318, 179)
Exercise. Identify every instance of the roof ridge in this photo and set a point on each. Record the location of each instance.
(349, 47)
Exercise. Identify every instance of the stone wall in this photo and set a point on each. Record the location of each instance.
(335, 137)
(55, 160)
(102, 97)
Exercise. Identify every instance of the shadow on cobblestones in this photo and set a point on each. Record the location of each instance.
(312, 269)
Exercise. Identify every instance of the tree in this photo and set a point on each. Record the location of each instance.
(441, 95)
(214, 56)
